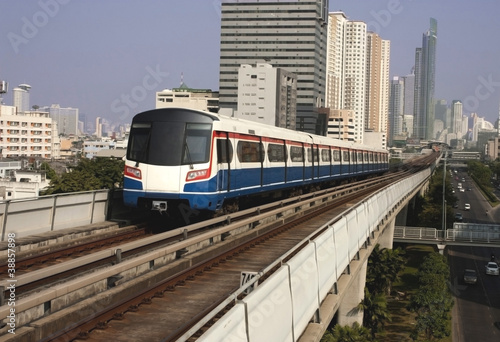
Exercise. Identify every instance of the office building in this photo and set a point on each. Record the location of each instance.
(425, 72)
(66, 118)
(396, 108)
(457, 118)
(267, 95)
(290, 35)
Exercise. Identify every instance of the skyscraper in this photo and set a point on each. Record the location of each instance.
(396, 107)
(457, 118)
(425, 73)
(287, 34)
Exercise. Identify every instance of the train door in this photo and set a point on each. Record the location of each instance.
(308, 162)
(276, 162)
(224, 160)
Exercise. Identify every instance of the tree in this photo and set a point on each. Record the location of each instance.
(356, 333)
(108, 171)
(89, 175)
(375, 311)
(432, 302)
(384, 266)
(74, 181)
(49, 172)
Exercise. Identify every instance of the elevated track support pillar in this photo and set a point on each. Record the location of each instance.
(348, 312)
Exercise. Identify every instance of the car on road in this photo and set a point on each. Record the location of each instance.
(470, 276)
(467, 206)
(492, 268)
(459, 217)
(462, 190)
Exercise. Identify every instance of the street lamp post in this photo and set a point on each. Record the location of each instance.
(444, 200)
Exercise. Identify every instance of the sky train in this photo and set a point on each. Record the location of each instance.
(204, 161)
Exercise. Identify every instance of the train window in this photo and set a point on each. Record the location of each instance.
(365, 157)
(359, 157)
(296, 154)
(224, 151)
(250, 152)
(137, 149)
(325, 155)
(371, 156)
(310, 153)
(336, 155)
(345, 156)
(276, 153)
(197, 143)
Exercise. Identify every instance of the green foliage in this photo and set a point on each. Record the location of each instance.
(88, 175)
(431, 213)
(481, 172)
(49, 172)
(375, 311)
(356, 333)
(384, 266)
(433, 301)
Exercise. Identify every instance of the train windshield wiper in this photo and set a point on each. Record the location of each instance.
(187, 154)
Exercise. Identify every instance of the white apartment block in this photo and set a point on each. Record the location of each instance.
(184, 97)
(267, 95)
(21, 98)
(31, 134)
(346, 68)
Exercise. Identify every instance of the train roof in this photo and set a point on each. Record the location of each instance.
(246, 127)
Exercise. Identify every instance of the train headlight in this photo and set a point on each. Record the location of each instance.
(198, 174)
(132, 172)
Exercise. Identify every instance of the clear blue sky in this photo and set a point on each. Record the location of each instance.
(108, 58)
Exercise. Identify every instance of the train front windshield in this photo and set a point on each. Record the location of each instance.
(169, 143)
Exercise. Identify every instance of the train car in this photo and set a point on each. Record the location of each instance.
(178, 156)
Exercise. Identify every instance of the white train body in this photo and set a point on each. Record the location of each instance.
(199, 159)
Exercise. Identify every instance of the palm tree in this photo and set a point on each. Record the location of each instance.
(356, 333)
(375, 312)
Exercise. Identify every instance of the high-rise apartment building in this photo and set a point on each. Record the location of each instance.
(288, 34)
(346, 65)
(377, 83)
(425, 73)
(358, 75)
(21, 98)
(267, 95)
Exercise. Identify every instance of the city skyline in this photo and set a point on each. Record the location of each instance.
(111, 61)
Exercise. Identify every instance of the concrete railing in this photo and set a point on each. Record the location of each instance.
(31, 216)
(292, 296)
